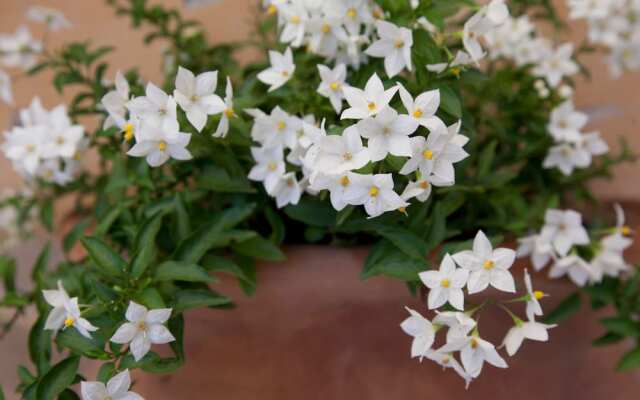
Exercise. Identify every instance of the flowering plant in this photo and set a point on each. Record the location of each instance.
(431, 131)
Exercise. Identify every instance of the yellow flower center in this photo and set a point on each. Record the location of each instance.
(399, 44)
(403, 210)
(334, 86)
(295, 19)
(162, 146)
(285, 74)
(326, 28)
(77, 156)
(352, 13)
(142, 326)
(229, 112)
(445, 360)
(417, 113)
(69, 321)
(372, 106)
(272, 166)
(374, 191)
(445, 283)
(488, 264)
(272, 9)
(625, 230)
(538, 294)
(427, 154)
(377, 14)
(281, 125)
(474, 343)
(128, 132)
(424, 185)
(456, 71)
(291, 182)
(344, 181)
(30, 148)
(60, 140)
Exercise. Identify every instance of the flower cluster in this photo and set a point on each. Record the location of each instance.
(564, 242)
(47, 145)
(117, 388)
(573, 149)
(475, 269)
(152, 119)
(335, 29)
(335, 162)
(614, 25)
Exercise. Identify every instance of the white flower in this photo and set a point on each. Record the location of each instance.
(567, 157)
(337, 186)
(579, 271)
(564, 230)
(422, 332)
(459, 324)
(331, 83)
(156, 108)
(281, 70)
(117, 388)
(227, 114)
(65, 312)
(566, 122)
(368, 102)
(487, 266)
(144, 327)
(591, 9)
(337, 154)
(538, 247)
(446, 360)
(54, 19)
(295, 18)
(25, 147)
(531, 330)
(115, 102)
(435, 155)
(533, 303)
(196, 96)
(394, 46)
(461, 59)
(423, 108)
(278, 129)
(6, 94)
(621, 227)
(19, 50)
(375, 192)
(446, 284)
(287, 190)
(63, 137)
(497, 12)
(474, 351)
(160, 143)
(388, 133)
(421, 188)
(269, 166)
(473, 30)
(556, 65)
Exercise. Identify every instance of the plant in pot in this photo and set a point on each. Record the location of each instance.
(430, 132)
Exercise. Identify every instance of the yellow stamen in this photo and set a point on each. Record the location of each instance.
(142, 326)
(424, 185)
(445, 283)
(474, 343)
(30, 148)
(538, 294)
(374, 191)
(281, 125)
(272, 9)
(625, 230)
(291, 182)
(285, 74)
(326, 28)
(128, 132)
(344, 181)
(69, 321)
(372, 106)
(417, 113)
(60, 140)
(272, 166)
(352, 13)
(488, 264)
(229, 112)
(428, 154)
(403, 210)
(295, 19)
(77, 156)
(456, 71)
(377, 14)
(162, 146)
(334, 86)
(399, 44)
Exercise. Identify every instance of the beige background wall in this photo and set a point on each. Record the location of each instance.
(614, 104)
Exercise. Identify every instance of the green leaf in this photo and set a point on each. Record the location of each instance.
(607, 339)
(313, 212)
(449, 101)
(182, 217)
(150, 228)
(46, 215)
(106, 372)
(437, 229)
(151, 298)
(386, 259)
(218, 179)
(622, 326)
(40, 346)
(405, 240)
(196, 298)
(39, 268)
(107, 221)
(260, 248)
(59, 377)
(75, 234)
(8, 273)
(108, 261)
(179, 271)
(631, 360)
(73, 340)
(142, 260)
(565, 309)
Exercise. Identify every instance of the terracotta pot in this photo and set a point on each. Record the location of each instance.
(314, 330)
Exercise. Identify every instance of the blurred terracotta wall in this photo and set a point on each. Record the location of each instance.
(614, 104)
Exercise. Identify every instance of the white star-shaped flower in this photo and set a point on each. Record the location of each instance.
(281, 70)
(375, 192)
(487, 266)
(155, 108)
(538, 247)
(144, 328)
(65, 312)
(579, 271)
(423, 108)
(533, 303)
(474, 351)
(340, 153)
(565, 122)
(269, 166)
(54, 19)
(422, 332)
(196, 96)
(446, 284)
(459, 324)
(368, 102)
(388, 133)
(564, 229)
(394, 46)
(531, 330)
(227, 113)
(117, 388)
(287, 190)
(556, 65)
(331, 83)
(158, 144)
(115, 102)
